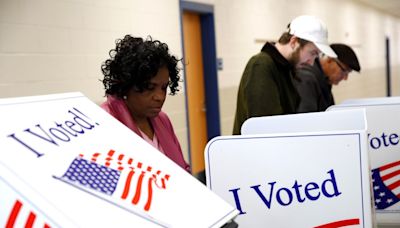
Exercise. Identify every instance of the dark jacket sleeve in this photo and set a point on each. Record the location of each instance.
(309, 91)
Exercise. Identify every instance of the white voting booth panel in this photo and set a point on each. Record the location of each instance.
(316, 121)
(372, 101)
(68, 163)
(27, 206)
(384, 150)
(294, 178)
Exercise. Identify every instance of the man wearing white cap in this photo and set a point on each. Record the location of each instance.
(266, 87)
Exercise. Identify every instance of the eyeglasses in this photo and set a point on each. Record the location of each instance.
(342, 68)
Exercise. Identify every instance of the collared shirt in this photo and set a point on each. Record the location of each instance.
(154, 141)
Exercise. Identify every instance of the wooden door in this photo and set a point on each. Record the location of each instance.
(194, 76)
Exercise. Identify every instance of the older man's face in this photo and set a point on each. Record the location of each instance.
(339, 71)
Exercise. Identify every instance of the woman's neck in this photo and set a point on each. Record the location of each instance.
(145, 126)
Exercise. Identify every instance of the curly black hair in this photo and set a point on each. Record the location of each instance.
(134, 62)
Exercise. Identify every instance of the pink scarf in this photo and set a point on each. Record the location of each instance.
(161, 124)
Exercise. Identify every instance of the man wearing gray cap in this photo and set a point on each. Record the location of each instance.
(266, 87)
(314, 83)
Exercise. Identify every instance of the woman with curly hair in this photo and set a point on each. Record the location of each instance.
(136, 78)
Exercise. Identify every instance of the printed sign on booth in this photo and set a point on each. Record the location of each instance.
(384, 151)
(91, 168)
(294, 179)
(23, 207)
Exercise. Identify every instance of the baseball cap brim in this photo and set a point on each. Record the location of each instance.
(326, 49)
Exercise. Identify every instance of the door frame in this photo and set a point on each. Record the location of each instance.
(206, 13)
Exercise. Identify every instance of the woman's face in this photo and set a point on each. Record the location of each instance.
(148, 104)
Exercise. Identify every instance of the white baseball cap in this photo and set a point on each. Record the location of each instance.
(314, 30)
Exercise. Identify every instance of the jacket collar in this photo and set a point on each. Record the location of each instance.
(276, 55)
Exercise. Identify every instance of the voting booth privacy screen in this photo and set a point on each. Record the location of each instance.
(311, 178)
(384, 151)
(67, 163)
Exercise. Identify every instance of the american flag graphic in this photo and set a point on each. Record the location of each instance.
(16, 209)
(21, 215)
(117, 176)
(386, 185)
(341, 223)
(22, 206)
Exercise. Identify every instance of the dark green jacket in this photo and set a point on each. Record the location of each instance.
(266, 87)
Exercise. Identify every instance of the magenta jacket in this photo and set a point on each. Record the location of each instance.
(161, 124)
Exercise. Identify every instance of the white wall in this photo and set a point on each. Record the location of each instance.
(49, 46)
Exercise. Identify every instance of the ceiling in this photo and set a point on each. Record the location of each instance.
(389, 6)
